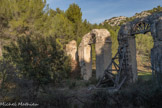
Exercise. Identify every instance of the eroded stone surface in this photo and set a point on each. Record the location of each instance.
(126, 36)
(71, 50)
(101, 39)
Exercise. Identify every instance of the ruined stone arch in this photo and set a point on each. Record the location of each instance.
(102, 40)
(126, 36)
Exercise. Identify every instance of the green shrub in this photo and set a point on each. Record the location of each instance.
(38, 58)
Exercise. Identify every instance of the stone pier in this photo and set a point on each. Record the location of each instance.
(101, 39)
(71, 50)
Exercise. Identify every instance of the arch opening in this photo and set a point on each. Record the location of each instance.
(144, 44)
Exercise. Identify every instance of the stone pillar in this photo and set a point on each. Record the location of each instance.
(156, 52)
(85, 59)
(103, 57)
(132, 74)
(129, 66)
(71, 50)
(86, 71)
(107, 54)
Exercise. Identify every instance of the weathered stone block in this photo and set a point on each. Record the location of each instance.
(71, 49)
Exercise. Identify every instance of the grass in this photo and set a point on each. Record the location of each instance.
(76, 84)
(145, 75)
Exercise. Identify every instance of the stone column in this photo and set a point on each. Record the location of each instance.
(71, 50)
(129, 66)
(103, 57)
(132, 74)
(86, 71)
(107, 54)
(85, 59)
(156, 52)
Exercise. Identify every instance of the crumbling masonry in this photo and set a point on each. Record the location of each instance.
(126, 36)
(101, 39)
(126, 55)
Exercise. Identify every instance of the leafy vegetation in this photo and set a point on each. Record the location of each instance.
(38, 58)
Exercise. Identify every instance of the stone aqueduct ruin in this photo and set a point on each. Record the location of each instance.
(101, 39)
(126, 36)
(126, 39)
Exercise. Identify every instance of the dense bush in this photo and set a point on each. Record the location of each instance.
(38, 58)
(8, 79)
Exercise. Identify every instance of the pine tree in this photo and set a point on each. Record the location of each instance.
(74, 13)
(62, 28)
(28, 16)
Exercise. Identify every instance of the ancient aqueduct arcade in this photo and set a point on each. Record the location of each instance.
(126, 55)
(126, 36)
(101, 39)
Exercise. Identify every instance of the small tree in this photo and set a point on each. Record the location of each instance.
(62, 28)
(74, 13)
(39, 59)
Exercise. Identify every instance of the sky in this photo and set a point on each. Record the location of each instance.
(96, 11)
